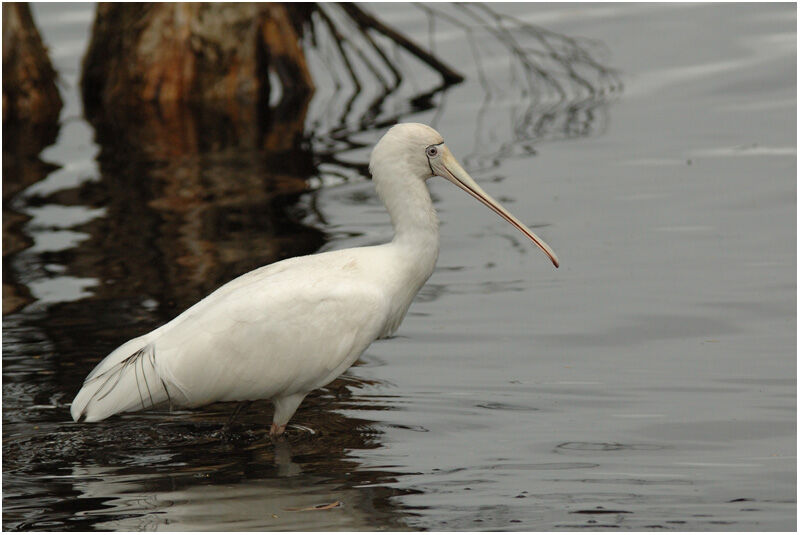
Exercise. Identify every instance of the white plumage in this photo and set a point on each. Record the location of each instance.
(288, 328)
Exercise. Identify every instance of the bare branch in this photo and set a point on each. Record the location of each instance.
(368, 22)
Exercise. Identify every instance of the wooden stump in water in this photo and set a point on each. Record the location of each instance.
(192, 52)
(29, 81)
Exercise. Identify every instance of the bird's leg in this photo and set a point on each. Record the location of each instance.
(226, 429)
(284, 410)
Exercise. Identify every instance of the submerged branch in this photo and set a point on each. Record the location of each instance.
(368, 22)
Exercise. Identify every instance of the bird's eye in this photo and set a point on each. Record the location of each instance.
(432, 151)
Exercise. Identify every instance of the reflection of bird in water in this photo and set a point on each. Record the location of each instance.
(288, 328)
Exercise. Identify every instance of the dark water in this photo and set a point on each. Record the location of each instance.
(650, 383)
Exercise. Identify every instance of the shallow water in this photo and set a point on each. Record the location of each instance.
(649, 383)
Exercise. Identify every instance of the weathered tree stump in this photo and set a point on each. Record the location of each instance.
(29, 80)
(191, 52)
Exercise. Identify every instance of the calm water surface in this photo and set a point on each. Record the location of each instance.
(650, 383)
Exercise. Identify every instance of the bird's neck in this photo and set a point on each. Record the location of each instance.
(416, 228)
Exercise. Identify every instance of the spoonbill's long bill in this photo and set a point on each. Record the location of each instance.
(285, 329)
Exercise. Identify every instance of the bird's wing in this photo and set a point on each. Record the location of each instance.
(284, 333)
(287, 327)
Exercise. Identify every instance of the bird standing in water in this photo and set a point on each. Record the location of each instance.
(288, 328)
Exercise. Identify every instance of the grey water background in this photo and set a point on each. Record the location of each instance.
(649, 383)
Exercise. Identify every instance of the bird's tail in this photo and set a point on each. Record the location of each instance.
(126, 380)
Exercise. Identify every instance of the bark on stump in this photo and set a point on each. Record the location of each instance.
(29, 80)
(191, 52)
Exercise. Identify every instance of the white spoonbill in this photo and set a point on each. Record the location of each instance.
(285, 329)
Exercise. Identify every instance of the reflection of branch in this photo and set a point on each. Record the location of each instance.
(339, 41)
(554, 87)
(338, 38)
(432, 14)
(398, 77)
(560, 90)
(505, 37)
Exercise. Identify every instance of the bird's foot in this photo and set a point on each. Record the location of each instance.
(276, 430)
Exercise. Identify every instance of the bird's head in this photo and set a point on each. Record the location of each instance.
(406, 146)
(417, 151)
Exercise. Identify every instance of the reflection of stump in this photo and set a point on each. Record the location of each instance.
(31, 106)
(197, 197)
(29, 88)
(191, 52)
(191, 150)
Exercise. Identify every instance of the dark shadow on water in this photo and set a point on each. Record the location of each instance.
(143, 471)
